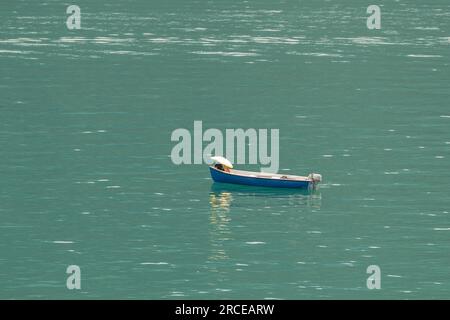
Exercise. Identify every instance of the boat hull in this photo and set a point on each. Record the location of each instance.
(224, 177)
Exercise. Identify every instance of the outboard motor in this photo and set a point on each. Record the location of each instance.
(315, 177)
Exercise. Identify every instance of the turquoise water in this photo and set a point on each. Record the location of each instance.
(86, 176)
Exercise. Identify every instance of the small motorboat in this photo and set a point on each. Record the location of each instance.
(222, 171)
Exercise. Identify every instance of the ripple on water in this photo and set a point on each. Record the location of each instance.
(177, 294)
(227, 54)
(370, 41)
(348, 264)
(424, 56)
(317, 54)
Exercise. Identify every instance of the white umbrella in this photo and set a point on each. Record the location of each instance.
(223, 161)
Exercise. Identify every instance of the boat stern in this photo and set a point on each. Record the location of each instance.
(315, 179)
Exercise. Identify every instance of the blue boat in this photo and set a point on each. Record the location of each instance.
(223, 173)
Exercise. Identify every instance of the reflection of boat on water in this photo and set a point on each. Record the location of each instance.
(219, 219)
(224, 194)
(224, 197)
(221, 200)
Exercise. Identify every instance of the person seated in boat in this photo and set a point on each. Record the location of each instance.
(221, 167)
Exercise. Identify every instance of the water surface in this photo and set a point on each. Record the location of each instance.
(86, 176)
